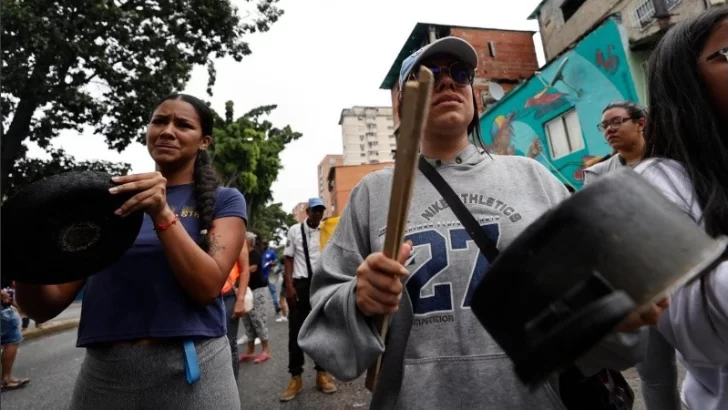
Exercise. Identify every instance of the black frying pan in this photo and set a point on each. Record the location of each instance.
(63, 228)
(572, 276)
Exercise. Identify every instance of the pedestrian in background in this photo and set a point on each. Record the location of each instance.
(256, 321)
(10, 339)
(270, 261)
(301, 256)
(623, 124)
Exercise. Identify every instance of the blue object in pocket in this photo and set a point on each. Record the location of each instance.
(192, 365)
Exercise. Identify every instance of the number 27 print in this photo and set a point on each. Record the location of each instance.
(441, 299)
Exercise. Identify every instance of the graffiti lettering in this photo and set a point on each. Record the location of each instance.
(610, 63)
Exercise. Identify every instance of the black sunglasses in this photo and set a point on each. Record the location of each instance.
(461, 73)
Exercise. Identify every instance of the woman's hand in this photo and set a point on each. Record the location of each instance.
(238, 309)
(378, 282)
(638, 319)
(151, 197)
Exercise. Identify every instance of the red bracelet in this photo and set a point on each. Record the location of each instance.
(163, 227)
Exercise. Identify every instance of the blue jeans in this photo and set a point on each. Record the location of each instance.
(274, 295)
(232, 330)
(10, 326)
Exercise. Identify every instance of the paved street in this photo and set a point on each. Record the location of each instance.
(52, 363)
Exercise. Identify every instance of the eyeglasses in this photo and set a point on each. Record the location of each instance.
(615, 122)
(461, 73)
(723, 52)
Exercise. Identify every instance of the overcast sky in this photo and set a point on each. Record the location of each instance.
(320, 57)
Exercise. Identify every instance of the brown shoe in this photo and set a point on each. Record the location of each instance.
(324, 383)
(294, 387)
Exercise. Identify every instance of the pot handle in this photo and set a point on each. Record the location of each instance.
(589, 290)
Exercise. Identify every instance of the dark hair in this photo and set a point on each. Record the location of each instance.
(205, 179)
(634, 110)
(683, 124)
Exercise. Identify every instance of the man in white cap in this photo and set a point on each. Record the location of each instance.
(301, 255)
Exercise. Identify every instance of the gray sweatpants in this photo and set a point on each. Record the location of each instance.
(153, 377)
(256, 321)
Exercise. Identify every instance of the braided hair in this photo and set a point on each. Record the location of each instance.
(205, 179)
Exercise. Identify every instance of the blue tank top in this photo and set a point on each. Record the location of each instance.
(140, 297)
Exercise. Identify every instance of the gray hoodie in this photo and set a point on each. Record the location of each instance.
(438, 356)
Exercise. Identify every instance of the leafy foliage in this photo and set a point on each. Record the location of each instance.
(272, 222)
(67, 64)
(29, 170)
(246, 154)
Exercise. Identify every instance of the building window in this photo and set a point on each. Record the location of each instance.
(491, 48)
(644, 12)
(564, 135)
(569, 7)
(363, 155)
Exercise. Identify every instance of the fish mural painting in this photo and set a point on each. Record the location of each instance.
(553, 116)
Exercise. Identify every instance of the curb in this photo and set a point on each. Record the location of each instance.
(50, 328)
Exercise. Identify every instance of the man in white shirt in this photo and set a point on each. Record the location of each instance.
(301, 255)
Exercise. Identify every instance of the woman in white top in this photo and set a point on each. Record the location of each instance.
(687, 159)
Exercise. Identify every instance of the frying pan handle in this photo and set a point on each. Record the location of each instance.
(593, 288)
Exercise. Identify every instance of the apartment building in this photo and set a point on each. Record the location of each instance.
(329, 161)
(367, 135)
(505, 58)
(564, 22)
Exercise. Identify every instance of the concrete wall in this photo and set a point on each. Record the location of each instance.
(557, 34)
(597, 72)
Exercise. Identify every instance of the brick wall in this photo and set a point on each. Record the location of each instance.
(345, 179)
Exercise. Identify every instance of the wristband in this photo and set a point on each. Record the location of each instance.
(165, 226)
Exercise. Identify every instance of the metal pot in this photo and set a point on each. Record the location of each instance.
(572, 276)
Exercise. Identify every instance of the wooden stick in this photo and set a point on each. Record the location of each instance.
(415, 108)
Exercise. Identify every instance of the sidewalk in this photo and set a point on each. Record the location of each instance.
(66, 320)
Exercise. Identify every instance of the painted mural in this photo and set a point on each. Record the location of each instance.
(593, 74)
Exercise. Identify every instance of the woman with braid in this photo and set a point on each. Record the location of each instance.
(153, 324)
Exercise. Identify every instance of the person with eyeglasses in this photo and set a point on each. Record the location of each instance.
(686, 157)
(623, 125)
(438, 356)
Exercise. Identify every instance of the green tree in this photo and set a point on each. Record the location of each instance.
(33, 169)
(272, 222)
(69, 64)
(246, 154)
